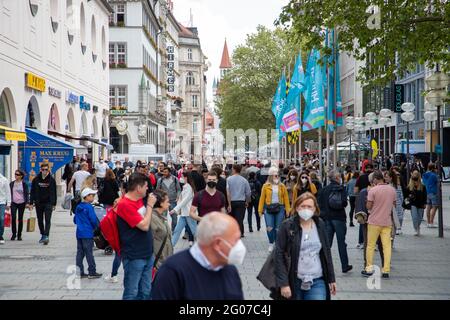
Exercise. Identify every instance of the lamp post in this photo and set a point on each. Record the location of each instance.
(438, 83)
(385, 119)
(359, 127)
(408, 116)
(350, 125)
(370, 121)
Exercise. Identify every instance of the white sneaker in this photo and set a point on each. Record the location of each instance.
(2, 241)
(111, 279)
(428, 225)
(433, 226)
(270, 247)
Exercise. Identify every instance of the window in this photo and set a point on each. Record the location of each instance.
(190, 54)
(111, 53)
(34, 6)
(117, 96)
(190, 80)
(121, 53)
(120, 13)
(195, 101)
(194, 127)
(118, 54)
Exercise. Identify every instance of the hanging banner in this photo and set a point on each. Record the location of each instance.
(293, 137)
(290, 121)
(374, 145)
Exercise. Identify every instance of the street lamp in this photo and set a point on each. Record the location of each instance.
(359, 127)
(438, 83)
(408, 116)
(385, 119)
(350, 127)
(430, 115)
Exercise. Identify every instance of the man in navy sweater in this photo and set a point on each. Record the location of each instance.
(205, 271)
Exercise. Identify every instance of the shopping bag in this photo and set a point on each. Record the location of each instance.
(31, 223)
(7, 219)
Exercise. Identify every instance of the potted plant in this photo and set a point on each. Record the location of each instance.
(120, 23)
(121, 65)
(112, 65)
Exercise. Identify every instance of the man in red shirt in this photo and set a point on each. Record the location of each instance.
(208, 200)
(136, 240)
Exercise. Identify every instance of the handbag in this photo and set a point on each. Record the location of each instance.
(99, 239)
(406, 204)
(7, 219)
(273, 208)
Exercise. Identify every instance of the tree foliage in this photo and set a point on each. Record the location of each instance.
(410, 32)
(246, 92)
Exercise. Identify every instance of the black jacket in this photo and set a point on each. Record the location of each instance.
(418, 198)
(287, 253)
(326, 212)
(222, 187)
(109, 193)
(25, 191)
(43, 191)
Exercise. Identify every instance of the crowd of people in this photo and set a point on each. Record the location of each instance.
(155, 203)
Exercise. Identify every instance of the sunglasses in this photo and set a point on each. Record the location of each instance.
(18, 174)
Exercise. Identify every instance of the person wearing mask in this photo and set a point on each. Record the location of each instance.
(273, 203)
(255, 189)
(416, 196)
(162, 235)
(208, 200)
(183, 208)
(238, 194)
(351, 195)
(160, 170)
(431, 180)
(127, 163)
(206, 271)
(118, 170)
(302, 239)
(136, 240)
(333, 201)
(171, 186)
(43, 197)
(110, 190)
(381, 200)
(291, 182)
(5, 203)
(19, 200)
(100, 172)
(304, 184)
(86, 221)
(394, 180)
(124, 180)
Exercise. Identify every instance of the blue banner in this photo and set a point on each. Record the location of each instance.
(279, 104)
(297, 85)
(42, 148)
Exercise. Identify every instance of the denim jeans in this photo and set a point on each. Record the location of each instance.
(318, 290)
(183, 222)
(340, 228)
(253, 208)
(85, 249)
(273, 221)
(116, 264)
(417, 216)
(137, 281)
(2, 219)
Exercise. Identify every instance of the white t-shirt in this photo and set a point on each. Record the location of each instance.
(79, 177)
(100, 169)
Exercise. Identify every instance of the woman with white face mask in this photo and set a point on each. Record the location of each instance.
(302, 239)
(290, 182)
(303, 185)
(273, 203)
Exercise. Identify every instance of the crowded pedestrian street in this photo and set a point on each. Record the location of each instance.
(33, 272)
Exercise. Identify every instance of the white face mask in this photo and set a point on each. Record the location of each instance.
(304, 180)
(293, 178)
(237, 253)
(182, 180)
(305, 214)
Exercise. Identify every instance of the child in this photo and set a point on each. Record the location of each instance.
(86, 222)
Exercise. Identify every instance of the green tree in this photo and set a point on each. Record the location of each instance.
(408, 32)
(246, 92)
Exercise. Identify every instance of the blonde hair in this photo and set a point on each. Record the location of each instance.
(89, 182)
(413, 184)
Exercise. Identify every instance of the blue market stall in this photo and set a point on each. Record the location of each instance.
(42, 148)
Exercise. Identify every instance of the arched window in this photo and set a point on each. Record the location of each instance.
(190, 79)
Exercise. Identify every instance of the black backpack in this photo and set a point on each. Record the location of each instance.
(254, 194)
(336, 199)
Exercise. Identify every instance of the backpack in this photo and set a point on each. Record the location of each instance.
(336, 199)
(254, 194)
(109, 229)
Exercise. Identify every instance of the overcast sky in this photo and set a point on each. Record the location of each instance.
(230, 19)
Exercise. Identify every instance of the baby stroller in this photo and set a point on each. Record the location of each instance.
(100, 212)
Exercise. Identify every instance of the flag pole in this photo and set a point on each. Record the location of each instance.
(335, 80)
(326, 115)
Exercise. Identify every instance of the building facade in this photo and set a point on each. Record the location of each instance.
(54, 72)
(193, 84)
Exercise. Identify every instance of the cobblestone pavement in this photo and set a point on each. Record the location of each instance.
(29, 270)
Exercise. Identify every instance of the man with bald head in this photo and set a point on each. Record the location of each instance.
(206, 271)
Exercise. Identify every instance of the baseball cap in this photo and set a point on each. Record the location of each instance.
(87, 191)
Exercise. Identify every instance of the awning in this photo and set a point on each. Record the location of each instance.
(99, 142)
(13, 134)
(5, 147)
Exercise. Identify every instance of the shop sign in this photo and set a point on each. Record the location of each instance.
(118, 110)
(35, 82)
(84, 105)
(72, 97)
(170, 69)
(54, 92)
